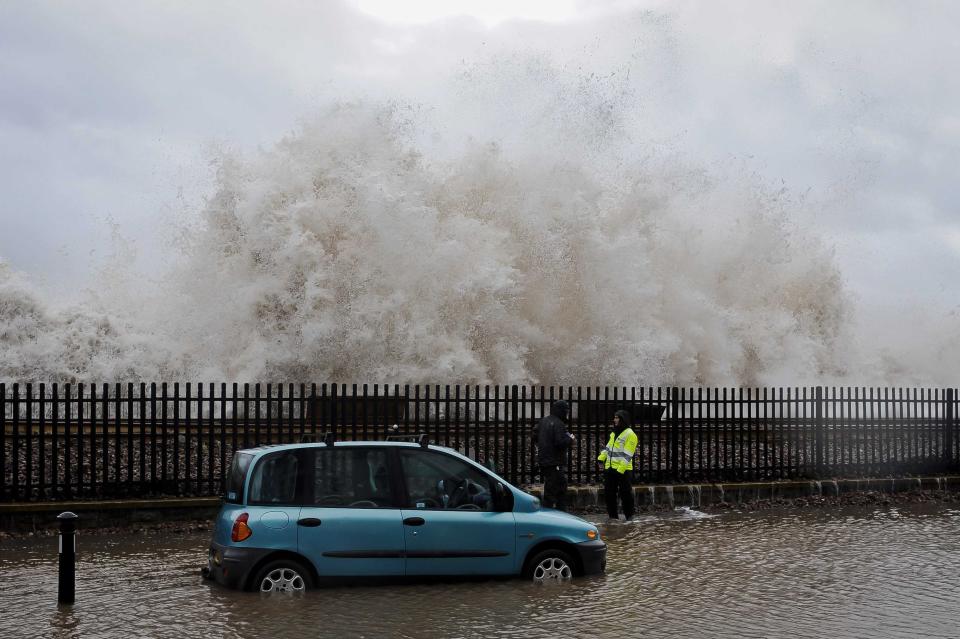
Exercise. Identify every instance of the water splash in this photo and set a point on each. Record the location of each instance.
(592, 496)
(816, 488)
(380, 242)
(694, 492)
(688, 512)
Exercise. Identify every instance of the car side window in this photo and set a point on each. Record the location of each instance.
(274, 479)
(352, 478)
(438, 481)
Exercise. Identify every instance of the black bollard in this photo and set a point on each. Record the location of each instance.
(68, 558)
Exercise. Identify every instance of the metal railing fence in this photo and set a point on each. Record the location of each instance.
(135, 440)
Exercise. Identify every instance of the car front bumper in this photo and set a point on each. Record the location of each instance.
(593, 556)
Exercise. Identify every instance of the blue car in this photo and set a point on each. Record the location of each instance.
(296, 514)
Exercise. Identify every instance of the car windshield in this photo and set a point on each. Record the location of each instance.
(238, 472)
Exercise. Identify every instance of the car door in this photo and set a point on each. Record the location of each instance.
(450, 522)
(351, 523)
(273, 501)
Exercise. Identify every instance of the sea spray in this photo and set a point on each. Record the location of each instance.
(348, 252)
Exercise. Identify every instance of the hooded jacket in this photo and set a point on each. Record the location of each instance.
(618, 453)
(625, 421)
(550, 436)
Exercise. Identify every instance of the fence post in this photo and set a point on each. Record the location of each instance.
(3, 443)
(948, 426)
(516, 435)
(674, 432)
(818, 430)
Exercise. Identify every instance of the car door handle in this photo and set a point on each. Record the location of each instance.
(414, 521)
(309, 522)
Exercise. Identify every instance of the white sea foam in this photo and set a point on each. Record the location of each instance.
(532, 240)
(687, 512)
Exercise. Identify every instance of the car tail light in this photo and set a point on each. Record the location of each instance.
(241, 530)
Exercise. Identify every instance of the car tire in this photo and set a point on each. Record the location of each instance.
(283, 576)
(550, 566)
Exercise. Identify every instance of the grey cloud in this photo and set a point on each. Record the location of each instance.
(851, 106)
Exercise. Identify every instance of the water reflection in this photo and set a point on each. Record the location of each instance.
(850, 573)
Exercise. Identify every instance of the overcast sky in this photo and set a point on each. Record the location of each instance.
(109, 110)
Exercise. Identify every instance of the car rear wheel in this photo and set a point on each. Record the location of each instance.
(283, 576)
(550, 566)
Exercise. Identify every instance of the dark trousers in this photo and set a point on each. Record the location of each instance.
(616, 484)
(554, 487)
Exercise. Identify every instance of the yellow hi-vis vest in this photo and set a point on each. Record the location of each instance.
(619, 451)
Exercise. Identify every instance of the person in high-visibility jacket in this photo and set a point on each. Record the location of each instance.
(617, 461)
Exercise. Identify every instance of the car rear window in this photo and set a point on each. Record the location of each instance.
(238, 472)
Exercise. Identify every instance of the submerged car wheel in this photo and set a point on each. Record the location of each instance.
(551, 566)
(282, 576)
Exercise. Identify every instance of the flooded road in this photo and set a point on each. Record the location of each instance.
(838, 572)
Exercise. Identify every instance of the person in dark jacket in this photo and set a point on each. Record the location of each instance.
(552, 440)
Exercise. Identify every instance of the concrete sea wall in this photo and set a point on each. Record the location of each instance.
(42, 516)
(16, 518)
(705, 495)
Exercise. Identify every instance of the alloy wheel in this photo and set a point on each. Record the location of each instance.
(282, 580)
(552, 569)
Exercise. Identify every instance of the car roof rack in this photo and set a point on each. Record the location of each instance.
(423, 439)
(310, 438)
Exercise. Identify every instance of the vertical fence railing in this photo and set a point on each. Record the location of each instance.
(88, 441)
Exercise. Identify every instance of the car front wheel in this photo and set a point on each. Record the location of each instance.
(550, 566)
(283, 576)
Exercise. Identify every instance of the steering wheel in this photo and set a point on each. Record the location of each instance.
(468, 507)
(364, 503)
(462, 494)
(331, 500)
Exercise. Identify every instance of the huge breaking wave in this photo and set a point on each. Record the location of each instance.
(359, 248)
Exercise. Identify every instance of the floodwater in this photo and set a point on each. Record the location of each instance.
(841, 572)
